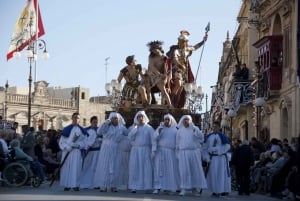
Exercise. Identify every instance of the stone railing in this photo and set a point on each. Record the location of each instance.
(17, 98)
(53, 102)
(60, 102)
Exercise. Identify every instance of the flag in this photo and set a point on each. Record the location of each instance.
(29, 26)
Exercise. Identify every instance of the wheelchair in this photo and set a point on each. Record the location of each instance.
(16, 173)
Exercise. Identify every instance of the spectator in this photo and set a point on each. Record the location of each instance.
(244, 72)
(242, 160)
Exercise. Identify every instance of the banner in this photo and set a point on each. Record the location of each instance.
(29, 27)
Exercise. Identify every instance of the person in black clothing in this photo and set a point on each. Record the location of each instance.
(244, 72)
(39, 152)
(257, 147)
(52, 142)
(297, 177)
(237, 72)
(242, 160)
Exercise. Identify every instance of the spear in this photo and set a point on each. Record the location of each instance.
(207, 28)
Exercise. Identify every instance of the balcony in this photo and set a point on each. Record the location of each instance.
(241, 93)
(52, 102)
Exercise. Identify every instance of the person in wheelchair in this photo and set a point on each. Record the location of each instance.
(3, 151)
(31, 165)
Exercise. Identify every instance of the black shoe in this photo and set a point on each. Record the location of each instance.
(224, 194)
(215, 195)
(133, 191)
(67, 189)
(76, 189)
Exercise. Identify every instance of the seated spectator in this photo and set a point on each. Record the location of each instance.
(39, 150)
(273, 168)
(21, 155)
(280, 179)
(3, 151)
(258, 172)
(52, 164)
(275, 145)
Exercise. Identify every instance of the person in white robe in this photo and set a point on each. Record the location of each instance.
(108, 165)
(216, 152)
(165, 169)
(91, 155)
(140, 164)
(124, 154)
(72, 140)
(189, 140)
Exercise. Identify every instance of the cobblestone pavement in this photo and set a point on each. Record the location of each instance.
(44, 192)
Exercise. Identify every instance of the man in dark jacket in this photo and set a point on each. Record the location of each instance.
(242, 160)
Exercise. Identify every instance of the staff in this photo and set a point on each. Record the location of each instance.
(207, 28)
(62, 163)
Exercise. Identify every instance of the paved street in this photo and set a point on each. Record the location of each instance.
(57, 193)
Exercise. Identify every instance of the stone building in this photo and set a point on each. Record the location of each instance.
(51, 107)
(265, 105)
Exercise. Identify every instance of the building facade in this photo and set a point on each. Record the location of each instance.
(266, 105)
(51, 107)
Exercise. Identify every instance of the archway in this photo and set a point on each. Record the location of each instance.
(277, 26)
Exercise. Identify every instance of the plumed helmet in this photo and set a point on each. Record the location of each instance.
(184, 35)
(129, 59)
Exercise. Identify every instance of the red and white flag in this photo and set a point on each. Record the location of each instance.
(29, 27)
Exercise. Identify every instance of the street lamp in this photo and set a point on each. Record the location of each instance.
(259, 102)
(31, 54)
(5, 105)
(231, 113)
(114, 88)
(194, 96)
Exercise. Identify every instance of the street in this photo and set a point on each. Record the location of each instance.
(44, 192)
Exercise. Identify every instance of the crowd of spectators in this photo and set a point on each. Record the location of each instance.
(274, 169)
(39, 148)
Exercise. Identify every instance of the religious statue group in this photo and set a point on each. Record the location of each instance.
(166, 73)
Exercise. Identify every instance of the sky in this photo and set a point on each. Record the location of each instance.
(80, 35)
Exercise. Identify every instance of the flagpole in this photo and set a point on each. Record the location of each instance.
(36, 38)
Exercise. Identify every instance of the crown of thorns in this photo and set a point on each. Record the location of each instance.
(155, 44)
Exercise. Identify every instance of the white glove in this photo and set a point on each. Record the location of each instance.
(68, 149)
(213, 150)
(74, 145)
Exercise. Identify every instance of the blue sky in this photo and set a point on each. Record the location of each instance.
(81, 34)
